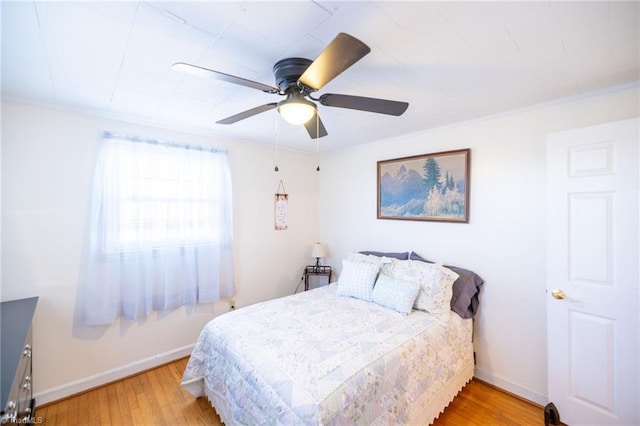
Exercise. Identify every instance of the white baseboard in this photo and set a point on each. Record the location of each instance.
(509, 386)
(78, 386)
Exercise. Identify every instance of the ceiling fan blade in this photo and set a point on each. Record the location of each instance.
(380, 106)
(205, 72)
(340, 54)
(248, 113)
(315, 127)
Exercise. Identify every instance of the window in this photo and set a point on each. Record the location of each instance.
(161, 229)
(161, 195)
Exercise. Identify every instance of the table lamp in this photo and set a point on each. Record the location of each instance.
(318, 251)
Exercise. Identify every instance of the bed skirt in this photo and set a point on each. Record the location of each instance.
(425, 413)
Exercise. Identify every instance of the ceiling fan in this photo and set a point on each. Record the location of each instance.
(298, 78)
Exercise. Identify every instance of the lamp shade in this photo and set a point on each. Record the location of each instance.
(296, 111)
(318, 250)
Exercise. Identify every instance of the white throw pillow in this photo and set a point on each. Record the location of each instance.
(436, 284)
(395, 294)
(384, 263)
(357, 279)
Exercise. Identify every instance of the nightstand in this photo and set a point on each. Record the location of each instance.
(316, 271)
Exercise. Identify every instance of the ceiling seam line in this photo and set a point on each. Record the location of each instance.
(124, 55)
(44, 45)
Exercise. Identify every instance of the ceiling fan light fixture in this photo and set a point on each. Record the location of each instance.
(296, 111)
(297, 78)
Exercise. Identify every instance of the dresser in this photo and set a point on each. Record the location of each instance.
(17, 380)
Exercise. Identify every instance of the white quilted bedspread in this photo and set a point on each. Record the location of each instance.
(315, 358)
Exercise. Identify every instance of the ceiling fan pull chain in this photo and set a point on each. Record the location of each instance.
(275, 169)
(318, 141)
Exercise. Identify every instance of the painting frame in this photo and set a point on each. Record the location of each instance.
(432, 187)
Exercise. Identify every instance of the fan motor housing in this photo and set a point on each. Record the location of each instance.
(287, 72)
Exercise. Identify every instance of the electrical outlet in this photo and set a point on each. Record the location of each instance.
(232, 304)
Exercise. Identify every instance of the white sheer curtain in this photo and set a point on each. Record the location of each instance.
(161, 229)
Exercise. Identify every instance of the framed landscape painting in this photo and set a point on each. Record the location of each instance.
(431, 187)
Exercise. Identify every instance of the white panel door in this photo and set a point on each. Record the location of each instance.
(592, 274)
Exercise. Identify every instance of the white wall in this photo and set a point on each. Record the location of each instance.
(47, 164)
(504, 241)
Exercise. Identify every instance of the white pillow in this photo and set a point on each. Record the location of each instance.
(384, 263)
(395, 294)
(357, 279)
(436, 284)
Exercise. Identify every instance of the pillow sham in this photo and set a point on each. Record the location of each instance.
(465, 292)
(395, 294)
(384, 263)
(395, 255)
(416, 256)
(435, 283)
(357, 279)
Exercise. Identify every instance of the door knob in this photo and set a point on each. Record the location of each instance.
(558, 294)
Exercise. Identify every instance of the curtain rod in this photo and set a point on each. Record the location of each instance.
(170, 144)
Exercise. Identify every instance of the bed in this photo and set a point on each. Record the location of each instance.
(324, 357)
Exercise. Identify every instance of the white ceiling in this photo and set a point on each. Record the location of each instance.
(452, 61)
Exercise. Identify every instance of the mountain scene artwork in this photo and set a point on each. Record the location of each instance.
(426, 187)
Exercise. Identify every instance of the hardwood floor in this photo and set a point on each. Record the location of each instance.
(155, 397)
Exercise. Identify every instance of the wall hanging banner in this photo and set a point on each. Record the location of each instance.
(281, 208)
